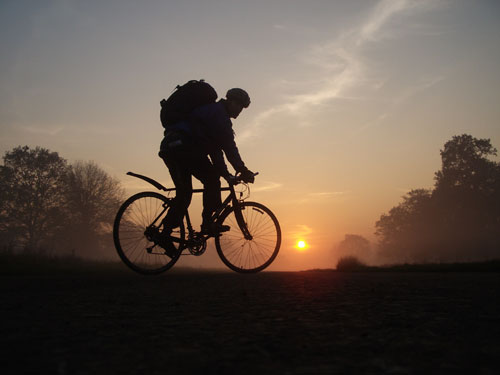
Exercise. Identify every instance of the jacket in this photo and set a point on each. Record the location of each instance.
(210, 129)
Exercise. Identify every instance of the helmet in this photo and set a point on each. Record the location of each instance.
(240, 96)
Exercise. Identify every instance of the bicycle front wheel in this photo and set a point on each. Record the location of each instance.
(142, 214)
(249, 255)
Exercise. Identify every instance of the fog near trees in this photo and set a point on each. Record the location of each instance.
(357, 246)
(458, 220)
(49, 206)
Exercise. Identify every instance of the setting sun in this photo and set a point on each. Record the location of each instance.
(301, 245)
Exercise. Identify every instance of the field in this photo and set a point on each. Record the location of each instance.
(106, 319)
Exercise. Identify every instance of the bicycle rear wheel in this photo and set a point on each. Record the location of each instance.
(248, 256)
(140, 212)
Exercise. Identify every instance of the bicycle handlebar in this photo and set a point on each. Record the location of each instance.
(238, 178)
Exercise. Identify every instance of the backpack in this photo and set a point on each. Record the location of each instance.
(184, 100)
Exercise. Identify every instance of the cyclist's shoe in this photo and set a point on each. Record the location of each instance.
(214, 229)
(166, 243)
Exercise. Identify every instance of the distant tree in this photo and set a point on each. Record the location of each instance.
(459, 219)
(407, 227)
(92, 198)
(465, 165)
(354, 245)
(31, 191)
(467, 195)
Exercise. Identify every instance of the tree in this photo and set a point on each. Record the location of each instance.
(354, 245)
(92, 198)
(467, 195)
(31, 191)
(465, 164)
(457, 220)
(407, 227)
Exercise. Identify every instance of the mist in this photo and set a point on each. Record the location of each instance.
(51, 207)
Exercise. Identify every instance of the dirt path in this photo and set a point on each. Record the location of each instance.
(225, 323)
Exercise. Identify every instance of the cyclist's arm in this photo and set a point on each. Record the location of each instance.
(218, 160)
(232, 153)
(222, 133)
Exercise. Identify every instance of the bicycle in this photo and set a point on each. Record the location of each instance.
(251, 244)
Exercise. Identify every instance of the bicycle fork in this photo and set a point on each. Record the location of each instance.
(241, 222)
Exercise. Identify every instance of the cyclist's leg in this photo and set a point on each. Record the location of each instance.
(208, 175)
(181, 176)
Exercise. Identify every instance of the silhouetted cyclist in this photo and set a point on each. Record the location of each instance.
(186, 148)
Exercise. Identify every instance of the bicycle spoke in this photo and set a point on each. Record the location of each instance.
(137, 214)
(250, 255)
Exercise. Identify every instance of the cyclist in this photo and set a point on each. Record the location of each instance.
(186, 148)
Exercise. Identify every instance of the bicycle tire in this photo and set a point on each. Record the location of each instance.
(249, 256)
(133, 217)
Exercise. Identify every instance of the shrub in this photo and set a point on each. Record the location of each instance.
(350, 263)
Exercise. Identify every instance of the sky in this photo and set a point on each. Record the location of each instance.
(351, 100)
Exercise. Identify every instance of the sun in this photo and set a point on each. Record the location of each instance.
(301, 245)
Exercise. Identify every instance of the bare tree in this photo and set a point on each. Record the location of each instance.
(92, 199)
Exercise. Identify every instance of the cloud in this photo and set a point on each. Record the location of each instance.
(340, 62)
(326, 194)
(408, 93)
(383, 11)
(381, 15)
(73, 130)
(300, 232)
(51, 131)
(378, 120)
(423, 85)
(267, 186)
(319, 196)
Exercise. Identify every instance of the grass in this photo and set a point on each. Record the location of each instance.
(484, 266)
(44, 264)
(352, 264)
(35, 263)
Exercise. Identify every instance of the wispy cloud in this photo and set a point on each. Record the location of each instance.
(326, 194)
(378, 120)
(73, 130)
(267, 186)
(51, 131)
(405, 95)
(383, 11)
(420, 86)
(340, 62)
(321, 196)
(301, 231)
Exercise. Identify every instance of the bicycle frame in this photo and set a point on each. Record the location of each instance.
(249, 242)
(231, 198)
(230, 201)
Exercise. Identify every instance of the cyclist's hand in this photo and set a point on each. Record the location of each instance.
(231, 180)
(247, 176)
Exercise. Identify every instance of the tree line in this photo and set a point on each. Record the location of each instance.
(457, 220)
(49, 205)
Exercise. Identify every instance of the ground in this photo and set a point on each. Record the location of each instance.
(317, 322)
